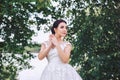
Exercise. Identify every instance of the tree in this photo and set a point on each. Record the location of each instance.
(16, 31)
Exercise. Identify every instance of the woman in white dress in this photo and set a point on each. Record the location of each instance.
(57, 53)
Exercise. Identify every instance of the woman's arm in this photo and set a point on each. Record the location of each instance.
(44, 51)
(64, 54)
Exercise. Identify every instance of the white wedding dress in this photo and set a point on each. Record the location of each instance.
(56, 69)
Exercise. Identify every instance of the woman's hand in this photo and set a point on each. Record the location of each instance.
(50, 41)
(53, 40)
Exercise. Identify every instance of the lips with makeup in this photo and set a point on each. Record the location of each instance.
(64, 33)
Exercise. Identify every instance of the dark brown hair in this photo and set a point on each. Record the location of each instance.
(55, 25)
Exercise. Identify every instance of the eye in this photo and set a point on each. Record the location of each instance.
(62, 27)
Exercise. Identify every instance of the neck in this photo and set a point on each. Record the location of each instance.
(59, 38)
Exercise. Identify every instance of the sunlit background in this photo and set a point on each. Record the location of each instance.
(93, 27)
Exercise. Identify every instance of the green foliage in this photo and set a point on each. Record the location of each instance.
(16, 31)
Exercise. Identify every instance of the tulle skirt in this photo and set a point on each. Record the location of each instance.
(59, 72)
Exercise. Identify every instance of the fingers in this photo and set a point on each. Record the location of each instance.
(53, 39)
(51, 35)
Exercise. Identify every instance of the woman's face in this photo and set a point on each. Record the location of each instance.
(61, 30)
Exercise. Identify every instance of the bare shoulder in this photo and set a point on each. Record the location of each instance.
(68, 44)
(68, 47)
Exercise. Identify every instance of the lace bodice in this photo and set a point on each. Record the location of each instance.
(53, 56)
(56, 69)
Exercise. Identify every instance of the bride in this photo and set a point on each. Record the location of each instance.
(57, 51)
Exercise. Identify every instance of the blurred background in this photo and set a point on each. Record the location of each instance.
(93, 30)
